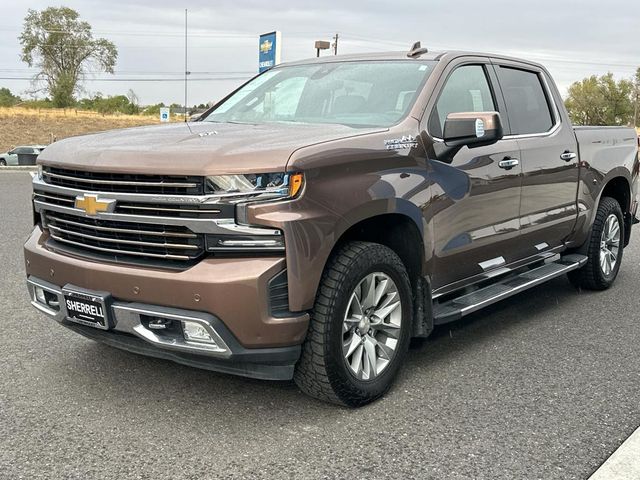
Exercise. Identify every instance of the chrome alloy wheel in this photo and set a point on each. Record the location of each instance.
(371, 326)
(610, 244)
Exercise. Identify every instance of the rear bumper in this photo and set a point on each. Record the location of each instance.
(130, 333)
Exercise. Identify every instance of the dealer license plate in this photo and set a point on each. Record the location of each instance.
(87, 308)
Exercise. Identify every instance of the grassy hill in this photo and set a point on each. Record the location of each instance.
(21, 126)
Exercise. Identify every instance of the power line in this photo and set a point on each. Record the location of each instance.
(211, 79)
(140, 72)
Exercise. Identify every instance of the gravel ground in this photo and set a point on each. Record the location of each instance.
(544, 385)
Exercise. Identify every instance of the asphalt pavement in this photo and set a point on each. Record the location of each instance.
(544, 385)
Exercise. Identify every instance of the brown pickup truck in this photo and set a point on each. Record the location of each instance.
(325, 212)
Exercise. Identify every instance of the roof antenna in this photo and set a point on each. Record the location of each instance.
(417, 50)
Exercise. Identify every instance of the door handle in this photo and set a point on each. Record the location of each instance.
(567, 156)
(508, 163)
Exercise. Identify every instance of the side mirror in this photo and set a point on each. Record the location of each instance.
(473, 129)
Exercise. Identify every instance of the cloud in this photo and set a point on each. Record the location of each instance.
(572, 38)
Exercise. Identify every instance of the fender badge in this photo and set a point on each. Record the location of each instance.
(407, 141)
(207, 134)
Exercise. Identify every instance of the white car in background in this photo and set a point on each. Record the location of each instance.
(11, 157)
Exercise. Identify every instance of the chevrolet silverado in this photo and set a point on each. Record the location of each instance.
(324, 213)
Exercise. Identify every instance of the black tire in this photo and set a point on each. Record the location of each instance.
(3, 162)
(592, 276)
(322, 371)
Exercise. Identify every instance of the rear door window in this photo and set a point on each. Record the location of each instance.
(466, 90)
(527, 102)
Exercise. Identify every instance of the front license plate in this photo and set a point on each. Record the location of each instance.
(87, 308)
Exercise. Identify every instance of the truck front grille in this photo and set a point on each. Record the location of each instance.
(145, 208)
(124, 182)
(124, 241)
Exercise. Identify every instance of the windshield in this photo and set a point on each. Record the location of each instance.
(358, 94)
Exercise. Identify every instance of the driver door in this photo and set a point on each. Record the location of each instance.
(476, 199)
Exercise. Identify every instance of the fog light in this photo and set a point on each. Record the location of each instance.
(40, 298)
(195, 332)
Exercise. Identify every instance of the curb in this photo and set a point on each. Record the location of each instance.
(624, 463)
(20, 168)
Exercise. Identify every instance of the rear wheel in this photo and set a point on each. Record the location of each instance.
(605, 248)
(360, 326)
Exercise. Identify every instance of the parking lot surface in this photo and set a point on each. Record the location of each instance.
(544, 385)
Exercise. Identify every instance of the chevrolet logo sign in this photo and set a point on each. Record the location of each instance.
(92, 206)
(265, 47)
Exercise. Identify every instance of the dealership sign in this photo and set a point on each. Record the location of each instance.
(269, 50)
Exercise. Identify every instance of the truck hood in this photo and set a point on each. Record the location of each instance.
(200, 148)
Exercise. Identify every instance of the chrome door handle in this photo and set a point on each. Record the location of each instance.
(508, 163)
(567, 156)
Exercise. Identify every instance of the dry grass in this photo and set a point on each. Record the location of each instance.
(21, 126)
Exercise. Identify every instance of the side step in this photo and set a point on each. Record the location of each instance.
(457, 308)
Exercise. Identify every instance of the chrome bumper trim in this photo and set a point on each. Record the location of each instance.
(126, 317)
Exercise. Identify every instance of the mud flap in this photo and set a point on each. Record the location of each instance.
(422, 308)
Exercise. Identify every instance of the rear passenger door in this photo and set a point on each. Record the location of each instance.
(548, 154)
(475, 200)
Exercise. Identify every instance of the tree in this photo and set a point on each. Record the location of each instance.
(134, 102)
(585, 102)
(618, 98)
(62, 47)
(8, 99)
(601, 101)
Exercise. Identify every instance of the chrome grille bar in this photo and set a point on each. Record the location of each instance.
(126, 242)
(165, 256)
(56, 198)
(128, 183)
(162, 233)
(167, 209)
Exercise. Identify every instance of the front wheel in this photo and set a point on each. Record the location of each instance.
(3, 162)
(605, 248)
(360, 326)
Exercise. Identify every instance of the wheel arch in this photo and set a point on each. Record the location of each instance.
(402, 234)
(619, 189)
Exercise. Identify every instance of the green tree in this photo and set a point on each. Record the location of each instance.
(134, 103)
(601, 101)
(618, 98)
(585, 102)
(8, 99)
(62, 47)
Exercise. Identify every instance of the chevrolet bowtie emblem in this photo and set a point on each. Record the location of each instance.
(265, 47)
(91, 205)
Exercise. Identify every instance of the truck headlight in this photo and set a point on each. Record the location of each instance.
(237, 235)
(267, 186)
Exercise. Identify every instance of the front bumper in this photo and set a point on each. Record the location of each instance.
(131, 333)
(234, 290)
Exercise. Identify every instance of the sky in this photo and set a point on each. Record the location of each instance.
(574, 39)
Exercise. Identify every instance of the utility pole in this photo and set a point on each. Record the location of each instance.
(335, 45)
(636, 106)
(186, 71)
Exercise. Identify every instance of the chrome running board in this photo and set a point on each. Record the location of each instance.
(456, 308)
